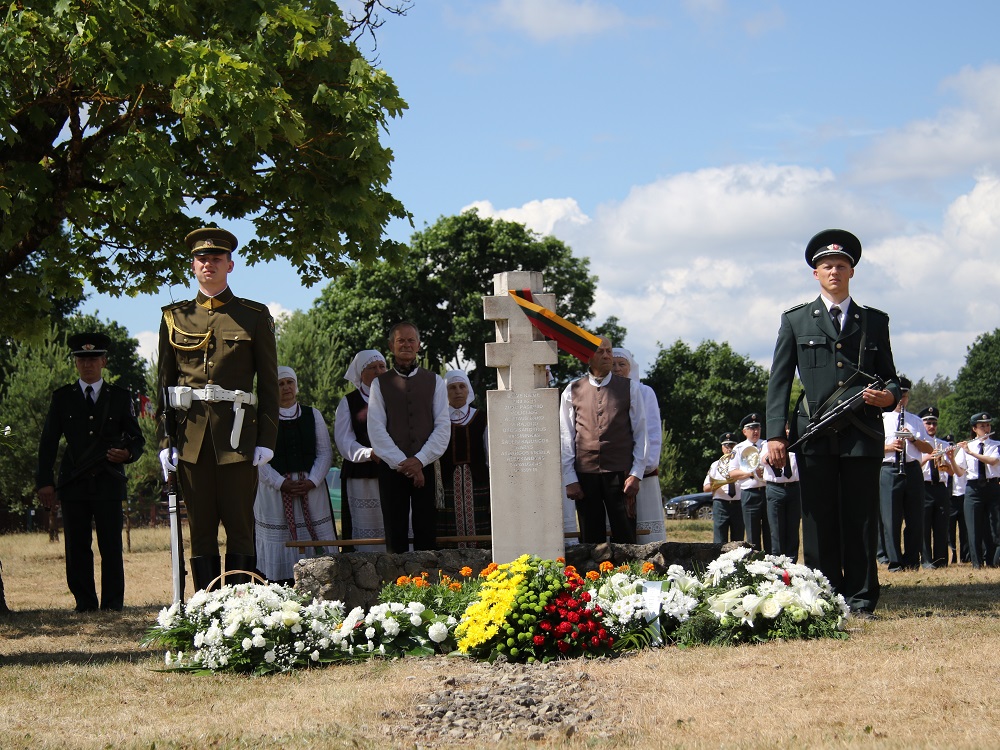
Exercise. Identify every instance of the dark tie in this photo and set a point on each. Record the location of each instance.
(89, 391)
(731, 489)
(835, 317)
(935, 477)
(982, 466)
(788, 469)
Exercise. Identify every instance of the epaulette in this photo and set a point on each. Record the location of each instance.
(796, 307)
(251, 304)
(175, 305)
(68, 386)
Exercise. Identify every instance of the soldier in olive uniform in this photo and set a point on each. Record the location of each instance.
(102, 434)
(837, 346)
(211, 350)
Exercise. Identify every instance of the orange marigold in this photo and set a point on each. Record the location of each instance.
(420, 583)
(560, 560)
(606, 567)
(623, 568)
(593, 575)
(571, 570)
(648, 567)
(466, 571)
(402, 580)
(488, 569)
(455, 586)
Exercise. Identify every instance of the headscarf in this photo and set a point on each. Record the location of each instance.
(633, 368)
(361, 360)
(460, 376)
(287, 372)
(293, 411)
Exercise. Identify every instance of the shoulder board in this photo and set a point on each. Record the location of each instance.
(175, 305)
(252, 305)
(874, 310)
(67, 387)
(797, 307)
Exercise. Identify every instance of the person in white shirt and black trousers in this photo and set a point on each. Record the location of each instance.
(980, 457)
(939, 467)
(753, 497)
(727, 513)
(784, 505)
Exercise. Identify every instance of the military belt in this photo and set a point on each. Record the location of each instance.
(181, 397)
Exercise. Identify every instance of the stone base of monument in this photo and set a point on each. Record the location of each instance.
(357, 578)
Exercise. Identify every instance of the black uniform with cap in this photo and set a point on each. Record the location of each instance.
(727, 513)
(102, 434)
(937, 497)
(835, 358)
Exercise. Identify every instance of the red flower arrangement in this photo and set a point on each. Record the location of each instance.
(568, 628)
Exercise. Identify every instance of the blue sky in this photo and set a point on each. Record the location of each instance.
(691, 149)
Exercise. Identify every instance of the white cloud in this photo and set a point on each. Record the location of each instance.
(541, 216)
(718, 254)
(959, 139)
(553, 19)
(278, 311)
(149, 342)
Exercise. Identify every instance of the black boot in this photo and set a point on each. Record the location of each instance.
(205, 569)
(4, 609)
(236, 561)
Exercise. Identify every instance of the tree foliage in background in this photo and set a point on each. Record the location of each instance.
(977, 386)
(439, 286)
(122, 122)
(702, 393)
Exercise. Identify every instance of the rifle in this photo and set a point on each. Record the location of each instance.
(173, 511)
(839, 416)
(99, 459)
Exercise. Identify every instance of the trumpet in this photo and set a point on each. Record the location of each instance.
(724, 468)
(942, 454)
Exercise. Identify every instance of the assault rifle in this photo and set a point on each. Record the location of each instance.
(96, 457)
(839, 417)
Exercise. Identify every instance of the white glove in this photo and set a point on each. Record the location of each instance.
(262, 455)
(168, 460)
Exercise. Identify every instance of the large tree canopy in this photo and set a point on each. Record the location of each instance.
(122, 122)
(702, 393)
(977, 387)
(439, 286)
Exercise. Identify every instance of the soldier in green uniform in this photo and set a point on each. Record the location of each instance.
(838, 347)
(102, 434)
(211, 350)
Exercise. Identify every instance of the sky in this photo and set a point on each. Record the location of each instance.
(691, 149)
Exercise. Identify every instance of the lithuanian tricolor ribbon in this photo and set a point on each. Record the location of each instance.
(570, 338)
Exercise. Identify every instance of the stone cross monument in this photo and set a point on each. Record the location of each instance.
(526, 488)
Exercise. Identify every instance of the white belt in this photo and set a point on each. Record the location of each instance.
(181, 397)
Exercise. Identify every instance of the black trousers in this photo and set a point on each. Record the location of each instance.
(902, 508)
(758, 531)
(604, 494)
(840, 501)
(94, 502)
(784, 516)
(982, 520)
(937, 508)
(958, 536)
(727, 521)
(400, 500)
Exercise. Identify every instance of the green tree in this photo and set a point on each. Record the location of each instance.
(702, 393)
(977, 387)
(439, 286)
(122, 122)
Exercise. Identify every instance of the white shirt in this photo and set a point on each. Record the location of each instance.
(437, 442)
(967, 458)
(779, 478)
(753, 481)
(95, 386)
(567, 429)
(942, 473)
(324, 453)
(842, 305)
(721, 493)
(654, 430)
(343, 433)
(911, 422)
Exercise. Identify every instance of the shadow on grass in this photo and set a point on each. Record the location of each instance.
(926, 600)
(28, 636)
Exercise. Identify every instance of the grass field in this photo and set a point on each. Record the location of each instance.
(924, 675)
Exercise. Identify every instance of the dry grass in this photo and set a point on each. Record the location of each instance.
(923, 675)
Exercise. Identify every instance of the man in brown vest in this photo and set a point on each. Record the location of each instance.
(409, 428)
(603, 435)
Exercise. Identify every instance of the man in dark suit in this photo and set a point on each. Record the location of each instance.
(212, 350)
(98, 421)
(838, 347)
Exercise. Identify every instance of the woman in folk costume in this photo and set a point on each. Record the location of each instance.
(464, 467)
(649, 501)
(293, 501)
(362, 509)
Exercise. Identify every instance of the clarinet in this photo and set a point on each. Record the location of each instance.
(901, 453)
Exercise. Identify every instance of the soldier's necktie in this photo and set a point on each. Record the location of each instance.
(731, 489)
(89, 391)
(835, 317)
(788, 469)
(982, 466)
(935, 477)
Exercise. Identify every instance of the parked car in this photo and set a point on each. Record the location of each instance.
(698, 505)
